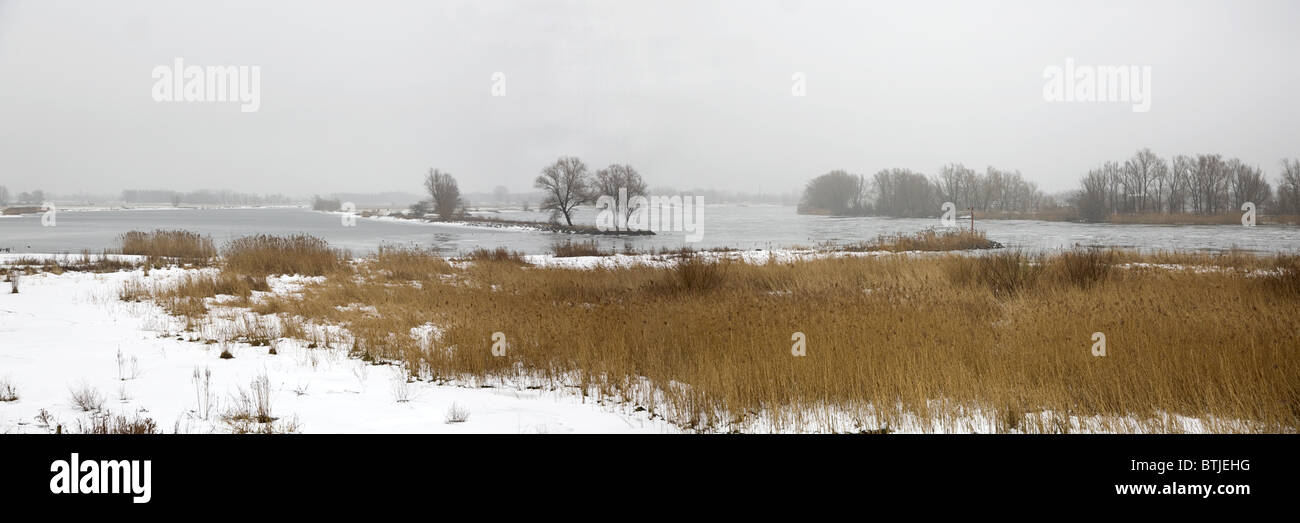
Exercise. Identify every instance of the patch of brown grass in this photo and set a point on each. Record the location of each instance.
(927, 240)
(263, 255)
(409, 263)
(188, 295)
(84, 262)
(497, 255)
(569, 248)
(177, 246)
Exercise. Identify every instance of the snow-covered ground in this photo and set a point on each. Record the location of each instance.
(69, 331)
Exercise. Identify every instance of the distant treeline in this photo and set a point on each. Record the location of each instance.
(204, 197)
(34, 197)
(1204, 184)
(909, 194)
(1200, 184)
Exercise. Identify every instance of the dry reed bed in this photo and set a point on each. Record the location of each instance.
(929, 240)
(169, 246)
(891, 339)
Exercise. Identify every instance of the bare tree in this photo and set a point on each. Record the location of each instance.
(4, 195)
(1180, 179)
(1092, 199)
(1114, 186)
(1247, 184)
(1160, 181)
(610, 179)
(566, 185)
(1139, 172)
(443, 192)
(1288, 187)
(1209, 184)
(957, 184)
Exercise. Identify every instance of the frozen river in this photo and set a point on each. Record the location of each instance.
(745, 227)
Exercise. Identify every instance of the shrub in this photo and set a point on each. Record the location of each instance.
(456, 414)
(86, 397)
(7, 391)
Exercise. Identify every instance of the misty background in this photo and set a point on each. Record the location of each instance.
(365, 97)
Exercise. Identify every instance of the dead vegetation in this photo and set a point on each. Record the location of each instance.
(497, 255)
(264, 255)
(8, 392)
(169, 246)
(106, 423)
(891, 339)
(927, 240)
(569, 248)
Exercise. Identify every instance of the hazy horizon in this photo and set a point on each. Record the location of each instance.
(364, 98)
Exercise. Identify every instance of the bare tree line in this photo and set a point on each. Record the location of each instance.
(566, 184)
(910, 194)
(1142, 184)
(1199, 184)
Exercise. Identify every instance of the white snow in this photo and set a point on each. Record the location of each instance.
(63, 330)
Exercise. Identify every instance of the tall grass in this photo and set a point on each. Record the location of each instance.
(497, 255)
(890, 339)
(1004, 273)
(569, 248)
(262, 255)
(175, 245)
(927, 240)
(409, 263)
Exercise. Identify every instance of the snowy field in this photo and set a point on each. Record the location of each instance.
(71, 332)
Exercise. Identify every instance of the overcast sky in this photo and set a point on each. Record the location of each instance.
(365, 96)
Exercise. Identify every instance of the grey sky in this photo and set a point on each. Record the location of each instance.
(365, 96)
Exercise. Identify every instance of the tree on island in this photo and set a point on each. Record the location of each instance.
(567, 185)
(609, 180)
